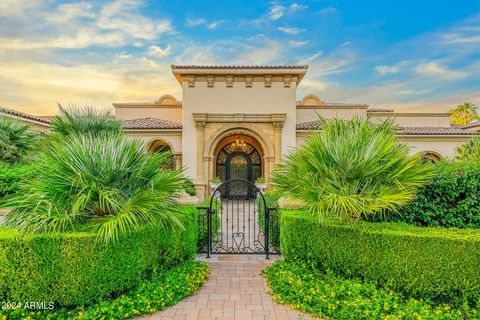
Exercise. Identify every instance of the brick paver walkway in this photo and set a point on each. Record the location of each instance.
(234, 290)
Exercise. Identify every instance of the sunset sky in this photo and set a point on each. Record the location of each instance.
(413, 55)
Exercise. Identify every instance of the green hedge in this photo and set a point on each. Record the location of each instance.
(450, 199)
(74, 269)
(11, 177)
(434, 263)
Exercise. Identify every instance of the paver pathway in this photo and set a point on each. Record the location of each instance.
(234, 290)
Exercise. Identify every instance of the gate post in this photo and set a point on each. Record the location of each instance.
(267, 225)
(209, 231)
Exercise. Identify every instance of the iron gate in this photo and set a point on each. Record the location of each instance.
(238, 221)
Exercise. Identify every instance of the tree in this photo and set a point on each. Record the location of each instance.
(16, 139)
(464, 114)
(351, 170)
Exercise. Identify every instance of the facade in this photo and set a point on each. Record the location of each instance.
(238, 122)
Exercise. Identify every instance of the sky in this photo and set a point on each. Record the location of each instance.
(409, 55)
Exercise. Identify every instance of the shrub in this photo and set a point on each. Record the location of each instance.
(75, 120)
(450, 199)
(107, 183)
(470, 151)
(271, 201)
(328, 296)
(163, 289)
(16, 139)
(434, 263)
(189, 187)
(73, 269)
(202, 212)
(351, 170)
(10, 178)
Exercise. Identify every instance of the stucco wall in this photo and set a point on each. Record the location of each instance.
(239, 99)
(159, 112)
(415, 119)
(172, 138)
(306, 114)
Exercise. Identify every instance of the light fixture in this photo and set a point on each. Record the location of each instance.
(239, 144)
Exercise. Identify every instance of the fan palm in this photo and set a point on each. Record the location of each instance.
(16, 139)
(84, 120)
(107, 183)
(352, 169)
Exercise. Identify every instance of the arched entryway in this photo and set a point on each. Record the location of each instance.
(161, 146)
(239, 157)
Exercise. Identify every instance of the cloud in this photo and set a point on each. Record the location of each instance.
(296, 7)
(290, 30)
(214, 24)
(297, 44)
(195, 22)
(435, 69)
(70, 11)
(276, 12)
(159, 52)
(310, 58)
(384, 69)
(328, 10)
(17, 8)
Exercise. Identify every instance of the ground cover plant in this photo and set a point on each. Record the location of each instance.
(162, 289)
(328, 296)
(352, 169)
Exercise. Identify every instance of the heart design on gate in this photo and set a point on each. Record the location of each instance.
(238, 238)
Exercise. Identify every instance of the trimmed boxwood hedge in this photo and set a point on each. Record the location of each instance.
(436, 263)
(73, 269)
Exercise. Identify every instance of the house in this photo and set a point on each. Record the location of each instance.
(238, 121)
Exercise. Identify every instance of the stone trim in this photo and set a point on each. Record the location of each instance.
(276, 118)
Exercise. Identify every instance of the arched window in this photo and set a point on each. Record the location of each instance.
(431, 156)
(160, 146)
(239, 160)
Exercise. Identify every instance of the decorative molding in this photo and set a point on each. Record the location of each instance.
(248, 81)
(287, 79)
(200, 120)
(191, 80)
(229, 81)
(268, 81)
(210, 80)
(278, 118)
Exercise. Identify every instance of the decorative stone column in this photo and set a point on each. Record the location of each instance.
(277, 128)
(200, 120)
(177, 157)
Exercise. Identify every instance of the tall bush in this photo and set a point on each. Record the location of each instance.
(451, 198)
(469, 151)
(352, 169)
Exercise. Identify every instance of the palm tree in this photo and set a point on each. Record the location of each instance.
(463, 114)
(16, 139)
(85, 120)
(352, 170)
(107, 183)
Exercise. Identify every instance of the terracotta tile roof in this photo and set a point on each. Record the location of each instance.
(173, 66)
(313, 125)
(24, 115)
(150, 123)
(373, 110)
(435, 131)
